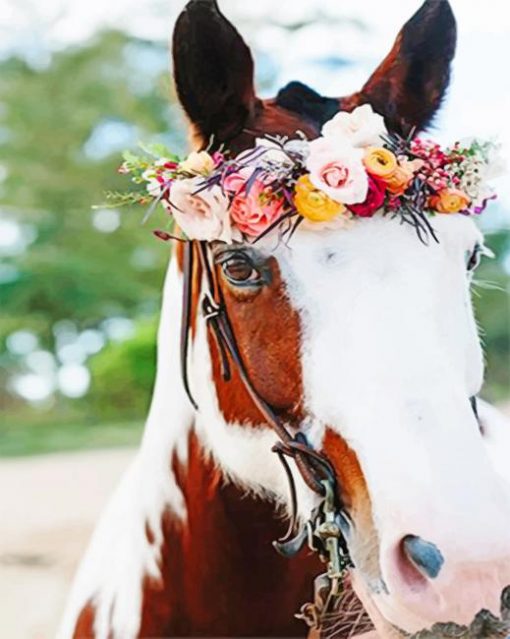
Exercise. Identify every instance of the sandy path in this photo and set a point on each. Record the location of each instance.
(48, 507)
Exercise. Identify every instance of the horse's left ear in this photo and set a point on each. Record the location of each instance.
(213, 70)
(410, 84)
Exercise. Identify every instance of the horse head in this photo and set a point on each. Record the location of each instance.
(365, 340)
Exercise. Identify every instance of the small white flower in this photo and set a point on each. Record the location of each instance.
(198, 163)
(202, 213)
(361, 128)
(153, 186)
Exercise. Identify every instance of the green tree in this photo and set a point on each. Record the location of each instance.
(58, 123)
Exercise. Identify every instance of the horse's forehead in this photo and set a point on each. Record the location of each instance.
(370, 248)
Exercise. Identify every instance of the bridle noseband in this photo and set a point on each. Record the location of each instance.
(325, 531)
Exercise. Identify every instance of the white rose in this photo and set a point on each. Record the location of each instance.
(361, 128)
(202, 213)
(338, 171)
(198, 163)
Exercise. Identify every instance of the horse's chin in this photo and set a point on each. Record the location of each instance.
(383, 628)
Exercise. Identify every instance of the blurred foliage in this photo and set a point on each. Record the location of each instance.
(35, 436)
(491, 295)
(71, 270)
(56, 169)
(123, 375)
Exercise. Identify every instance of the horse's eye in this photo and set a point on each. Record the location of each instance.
(239, 270)
(473, 258)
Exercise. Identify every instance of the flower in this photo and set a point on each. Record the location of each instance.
(374, 201)
(198, 163)
(253, 211)
(313, 204)
(361, 128)
(201, 212)
(338, 171)
(380, 162)
(399, 181)
(235, 181)
(450, 201)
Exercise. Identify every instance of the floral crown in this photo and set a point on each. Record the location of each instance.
(356, 169)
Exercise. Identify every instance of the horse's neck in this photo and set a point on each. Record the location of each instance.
(219, 573)
(181, 550)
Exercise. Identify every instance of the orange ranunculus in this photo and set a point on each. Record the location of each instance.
(450, 201)
(398, 183)
(380, 162)
(313, 204)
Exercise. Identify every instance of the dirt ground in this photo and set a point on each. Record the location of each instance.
(48, 507)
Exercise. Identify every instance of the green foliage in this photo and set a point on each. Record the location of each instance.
(492, 303)
(50, 115)
(57, 169)
(36, 437)
(123, 375)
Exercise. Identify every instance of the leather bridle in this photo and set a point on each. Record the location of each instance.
(326, 529)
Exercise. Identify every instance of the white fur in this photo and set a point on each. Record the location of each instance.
(242, 450)
(120, 556)
(390, 357)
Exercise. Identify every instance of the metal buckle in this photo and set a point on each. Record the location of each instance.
(324, 537)
(210, 309)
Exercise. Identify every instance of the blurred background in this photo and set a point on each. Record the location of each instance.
(80, 287)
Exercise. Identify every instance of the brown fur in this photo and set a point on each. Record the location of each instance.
(85, 625)
(221, 576)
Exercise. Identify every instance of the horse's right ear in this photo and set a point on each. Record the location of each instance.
(213, 70)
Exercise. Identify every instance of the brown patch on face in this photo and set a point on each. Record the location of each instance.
(348, 470)
(356, 497)
(84, 628)
(268, 334)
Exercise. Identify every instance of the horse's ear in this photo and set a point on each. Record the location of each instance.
(213, 70)
(410, 84)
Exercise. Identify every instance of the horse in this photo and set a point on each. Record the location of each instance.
(364, 340)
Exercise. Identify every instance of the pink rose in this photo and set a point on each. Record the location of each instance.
(375, 199)
(255, 211)
(201, 213)
(236, 181)
(338, 171)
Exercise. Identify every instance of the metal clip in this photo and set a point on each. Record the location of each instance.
(209, 307)
(325, 532)
(312, 613)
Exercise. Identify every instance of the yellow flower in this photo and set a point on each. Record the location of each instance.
(380, 162)
(313, 204)
(450, 201)
(198, 163)
(399, 181)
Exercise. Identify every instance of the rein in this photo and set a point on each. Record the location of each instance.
(329, 523)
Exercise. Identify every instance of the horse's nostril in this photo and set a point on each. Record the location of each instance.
(424, 555)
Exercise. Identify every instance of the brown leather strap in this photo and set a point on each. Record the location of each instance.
(299, 450)
(316, 470)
